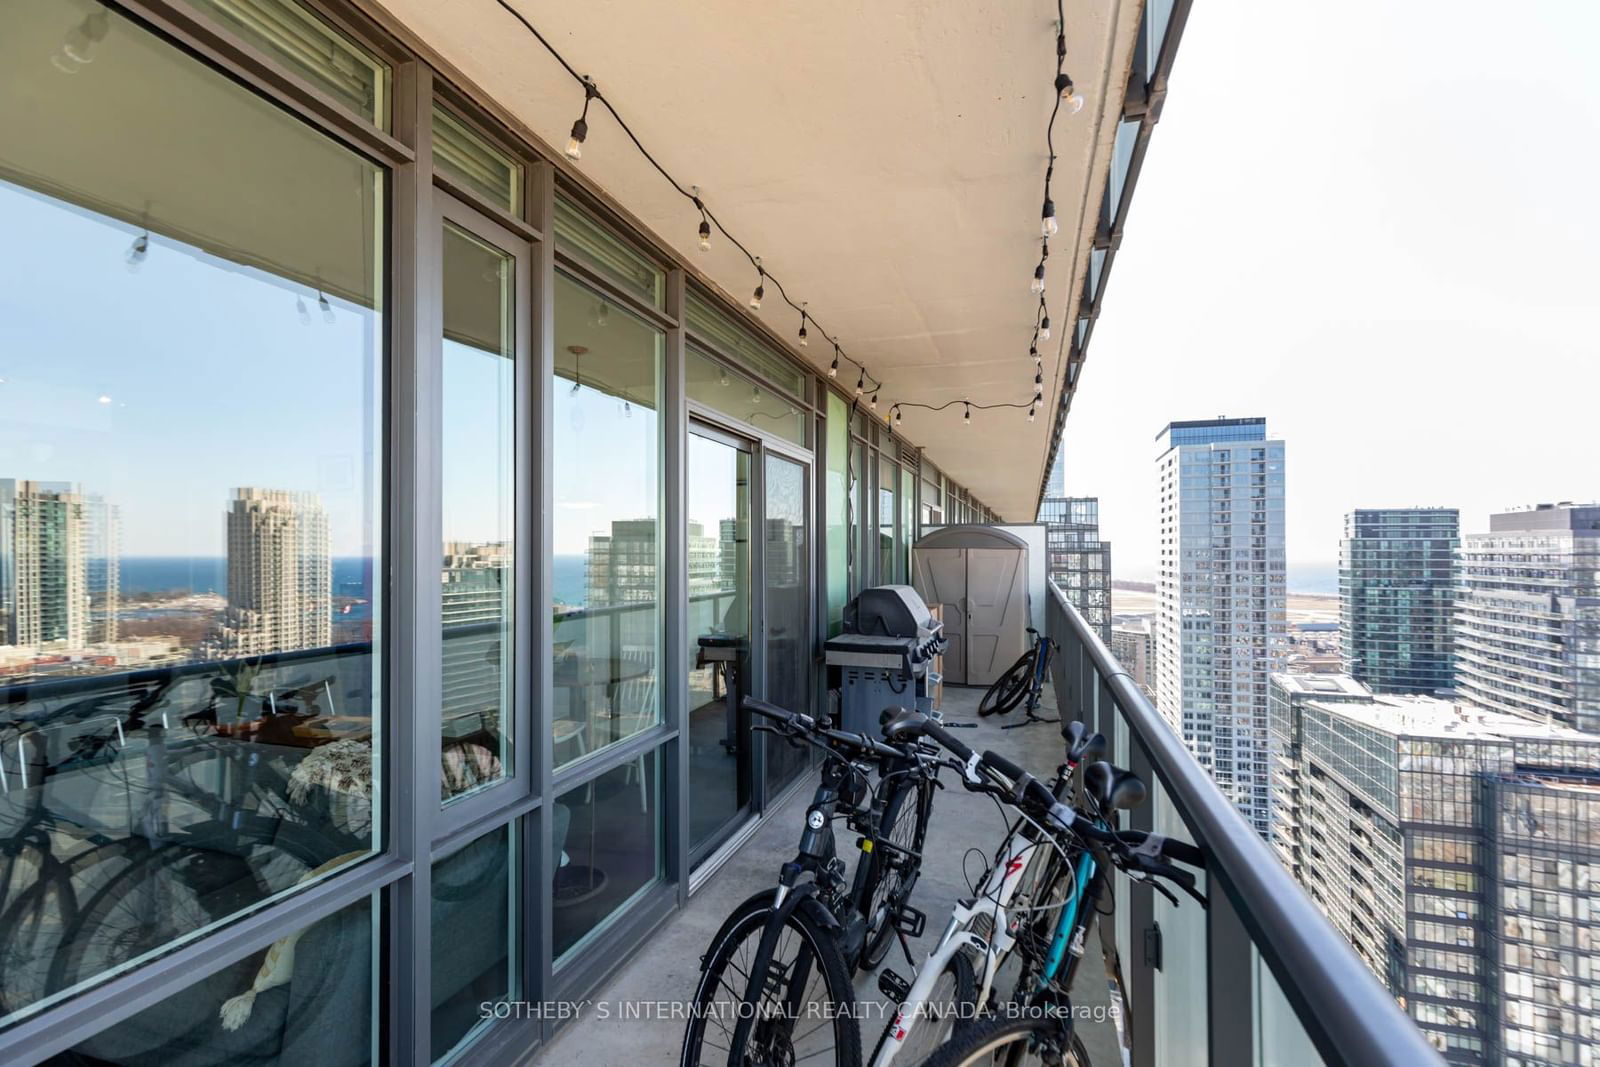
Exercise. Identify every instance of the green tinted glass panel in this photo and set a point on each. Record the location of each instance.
(309, 47)
(736, 394)
(838, 497)
(733, 340)
(597, 248)
(462, 154)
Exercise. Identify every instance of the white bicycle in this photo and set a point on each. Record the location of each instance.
(948, 990)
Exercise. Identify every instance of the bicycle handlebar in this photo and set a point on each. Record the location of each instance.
(803, 727)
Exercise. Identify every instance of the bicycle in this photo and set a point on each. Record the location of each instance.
(1036, 1025)
(782, 961)
(1022, 683)
(980, 926)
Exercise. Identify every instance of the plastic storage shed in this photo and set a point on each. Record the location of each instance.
(979, 576)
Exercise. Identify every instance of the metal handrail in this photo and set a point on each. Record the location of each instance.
(1345, 1011)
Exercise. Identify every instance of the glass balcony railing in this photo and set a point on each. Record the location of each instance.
(1257, 977)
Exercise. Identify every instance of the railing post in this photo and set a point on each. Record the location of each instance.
(1140, 955)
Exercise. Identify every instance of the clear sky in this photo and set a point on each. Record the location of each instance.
(1377, 225)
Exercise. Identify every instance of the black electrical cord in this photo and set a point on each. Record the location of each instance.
(691, 194)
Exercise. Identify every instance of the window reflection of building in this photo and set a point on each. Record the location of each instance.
(280, 575)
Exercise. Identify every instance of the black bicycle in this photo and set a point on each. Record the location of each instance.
(775, 986)
(1022, 683)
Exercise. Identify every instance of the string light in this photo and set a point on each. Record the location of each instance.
(327, 308)
(755, 394)
(861, 382)
(1038, 384)
(1037, 286)
(1030, 412)
(899, 416)
(874, 401)
(1070, 99)
(967, 415)
(1047, 220)
(580, 129)
(708, 218)
(138, 250)
(803, 341)
(1044, 328)
(705, 223)
(761, 287)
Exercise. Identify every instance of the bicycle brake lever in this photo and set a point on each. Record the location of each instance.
(1159, 888)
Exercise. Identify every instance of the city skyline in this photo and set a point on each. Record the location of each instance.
(1365, 298)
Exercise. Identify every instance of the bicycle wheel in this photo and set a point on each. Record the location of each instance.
(803, 1012)
(949, 1009)
(890, 876)
(1012, 1043)
(1009, 689)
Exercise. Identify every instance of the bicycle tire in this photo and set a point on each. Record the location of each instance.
(1007, 1042)
(954, 1003)
(1008, 689)
(908, 828)
(747, 927)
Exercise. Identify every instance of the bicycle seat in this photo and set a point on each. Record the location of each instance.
(1113, 789)
(1031, 630)
(902, 724)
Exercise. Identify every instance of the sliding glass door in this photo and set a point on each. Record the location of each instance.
(719, 741)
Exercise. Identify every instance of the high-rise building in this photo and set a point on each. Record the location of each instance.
(1131, 644)
(280, 575)
(1452, 846)
(1221, 625)
(102, 551)
(1527, 627)
(44, 572)
(622, 564)
(1396, 593)
(1076, 559)
(475, 610)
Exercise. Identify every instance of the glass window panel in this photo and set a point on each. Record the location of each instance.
(838, 497)
(887, 476)
(908, 523)
(479, 466)
(788, 601)
(475, 929)
(735, 341)
(858, 514)
(607, 572)
(597, 248)
(293, 35)
(735, 394)
(463, 154)
(189, 502)
(605, 848)
(718, 491)
(307, 998)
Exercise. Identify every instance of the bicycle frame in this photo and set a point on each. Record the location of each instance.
(997, 891)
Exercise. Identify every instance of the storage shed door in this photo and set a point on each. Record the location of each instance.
(996, 613)
(942, 579)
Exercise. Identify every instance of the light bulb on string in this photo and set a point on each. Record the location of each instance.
(580, 129)
(803, 341)
(705, 222)
(966, 416)
(77, 49)
(833, 368)
(899, 416)
(1038, 384)
(755, 394)
(1037, 285)
(1071, 99)
(1047, 219)
(722, 377)
(327, 308)
(1030, 412)
(1044, 329)
(861, 382)
(761, 287)
(301, 310)
(138, 250)
(874, 403)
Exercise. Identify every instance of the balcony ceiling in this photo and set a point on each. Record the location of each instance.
(885, 159)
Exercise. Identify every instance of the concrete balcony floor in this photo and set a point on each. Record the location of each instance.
(667, 968)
